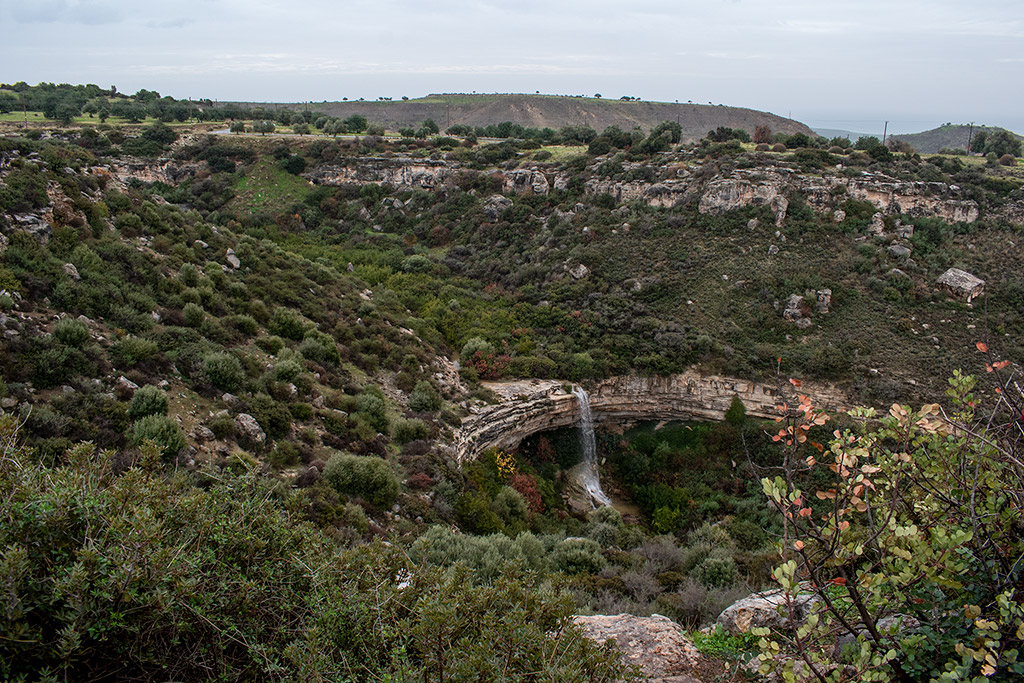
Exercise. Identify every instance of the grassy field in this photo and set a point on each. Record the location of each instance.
(36, 117)
(562, 153)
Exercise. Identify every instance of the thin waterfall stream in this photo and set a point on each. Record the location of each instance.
(588, 475)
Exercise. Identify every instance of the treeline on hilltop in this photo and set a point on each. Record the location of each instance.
(64, 102)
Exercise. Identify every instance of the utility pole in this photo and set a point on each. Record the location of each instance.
(970, 134)
(884, 131)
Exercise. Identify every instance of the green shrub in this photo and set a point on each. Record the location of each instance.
(411, 430)
(284, 454)
(194, 315)
(424, 398)
(162, 431)
(374, 408)
(286, 323)
(271, 344)
(474, 344)
(320, 348)
(189, 275)
(716, 572)
(510, 506)
(223, 427)
(287, 370)
(274, 417)
(71, 332)
(577, 556)
(245, 324)
(223, 370)
(131, 351)
(369, 478)
(148, 400)
(300, 411)
(747, 534)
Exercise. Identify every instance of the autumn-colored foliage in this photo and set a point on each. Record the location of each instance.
(911, 548)
(527, 486)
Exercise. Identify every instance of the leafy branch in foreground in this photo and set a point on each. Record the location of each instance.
(905, 532)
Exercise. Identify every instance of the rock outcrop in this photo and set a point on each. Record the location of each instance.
(526, 407)
(525, 181)
(737, 190)
(772, 186)
(655, 644)
(167, 171)
(401, 172)
(764, 187)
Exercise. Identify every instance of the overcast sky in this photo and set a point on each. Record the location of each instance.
(849, 65)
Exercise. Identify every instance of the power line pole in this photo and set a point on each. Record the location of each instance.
(970, 134)
(885, 130)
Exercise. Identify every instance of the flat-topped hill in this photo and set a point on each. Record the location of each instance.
(556, 111)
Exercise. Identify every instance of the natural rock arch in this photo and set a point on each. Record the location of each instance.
(530, 406)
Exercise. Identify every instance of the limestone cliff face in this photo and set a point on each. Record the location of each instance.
(530, 406)
(166, 171)
(916, 199)
(664, 194)
(723, 192)
(398, 172)
(759, 187)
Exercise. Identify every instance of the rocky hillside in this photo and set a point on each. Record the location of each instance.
(552, 111)
(231, 365)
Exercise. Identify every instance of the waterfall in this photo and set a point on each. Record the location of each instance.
(588, 476)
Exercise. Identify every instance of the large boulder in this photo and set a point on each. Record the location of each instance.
(767, 609)
(249, 428)
(656, 644)
(34, 225)
(495, 206)
(962, 284)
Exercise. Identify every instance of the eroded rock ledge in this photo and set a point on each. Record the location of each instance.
(530, 406)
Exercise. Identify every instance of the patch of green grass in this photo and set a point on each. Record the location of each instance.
(562, 153)
(719, 643)
(85, 120)
(269, 188)
(32, 116)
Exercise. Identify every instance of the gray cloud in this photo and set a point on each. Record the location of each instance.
(819, 59)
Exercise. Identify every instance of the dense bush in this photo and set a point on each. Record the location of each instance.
(71, 332)
(223, 370)
(162, 431)
(148, 400)
(577, 556)
(132, 351)
(175, 583)
(369, 478)
(424, 398)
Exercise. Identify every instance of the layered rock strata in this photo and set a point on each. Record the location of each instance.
(526, 407)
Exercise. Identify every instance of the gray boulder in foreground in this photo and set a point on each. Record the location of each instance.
(656, 644)
(760, 610)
